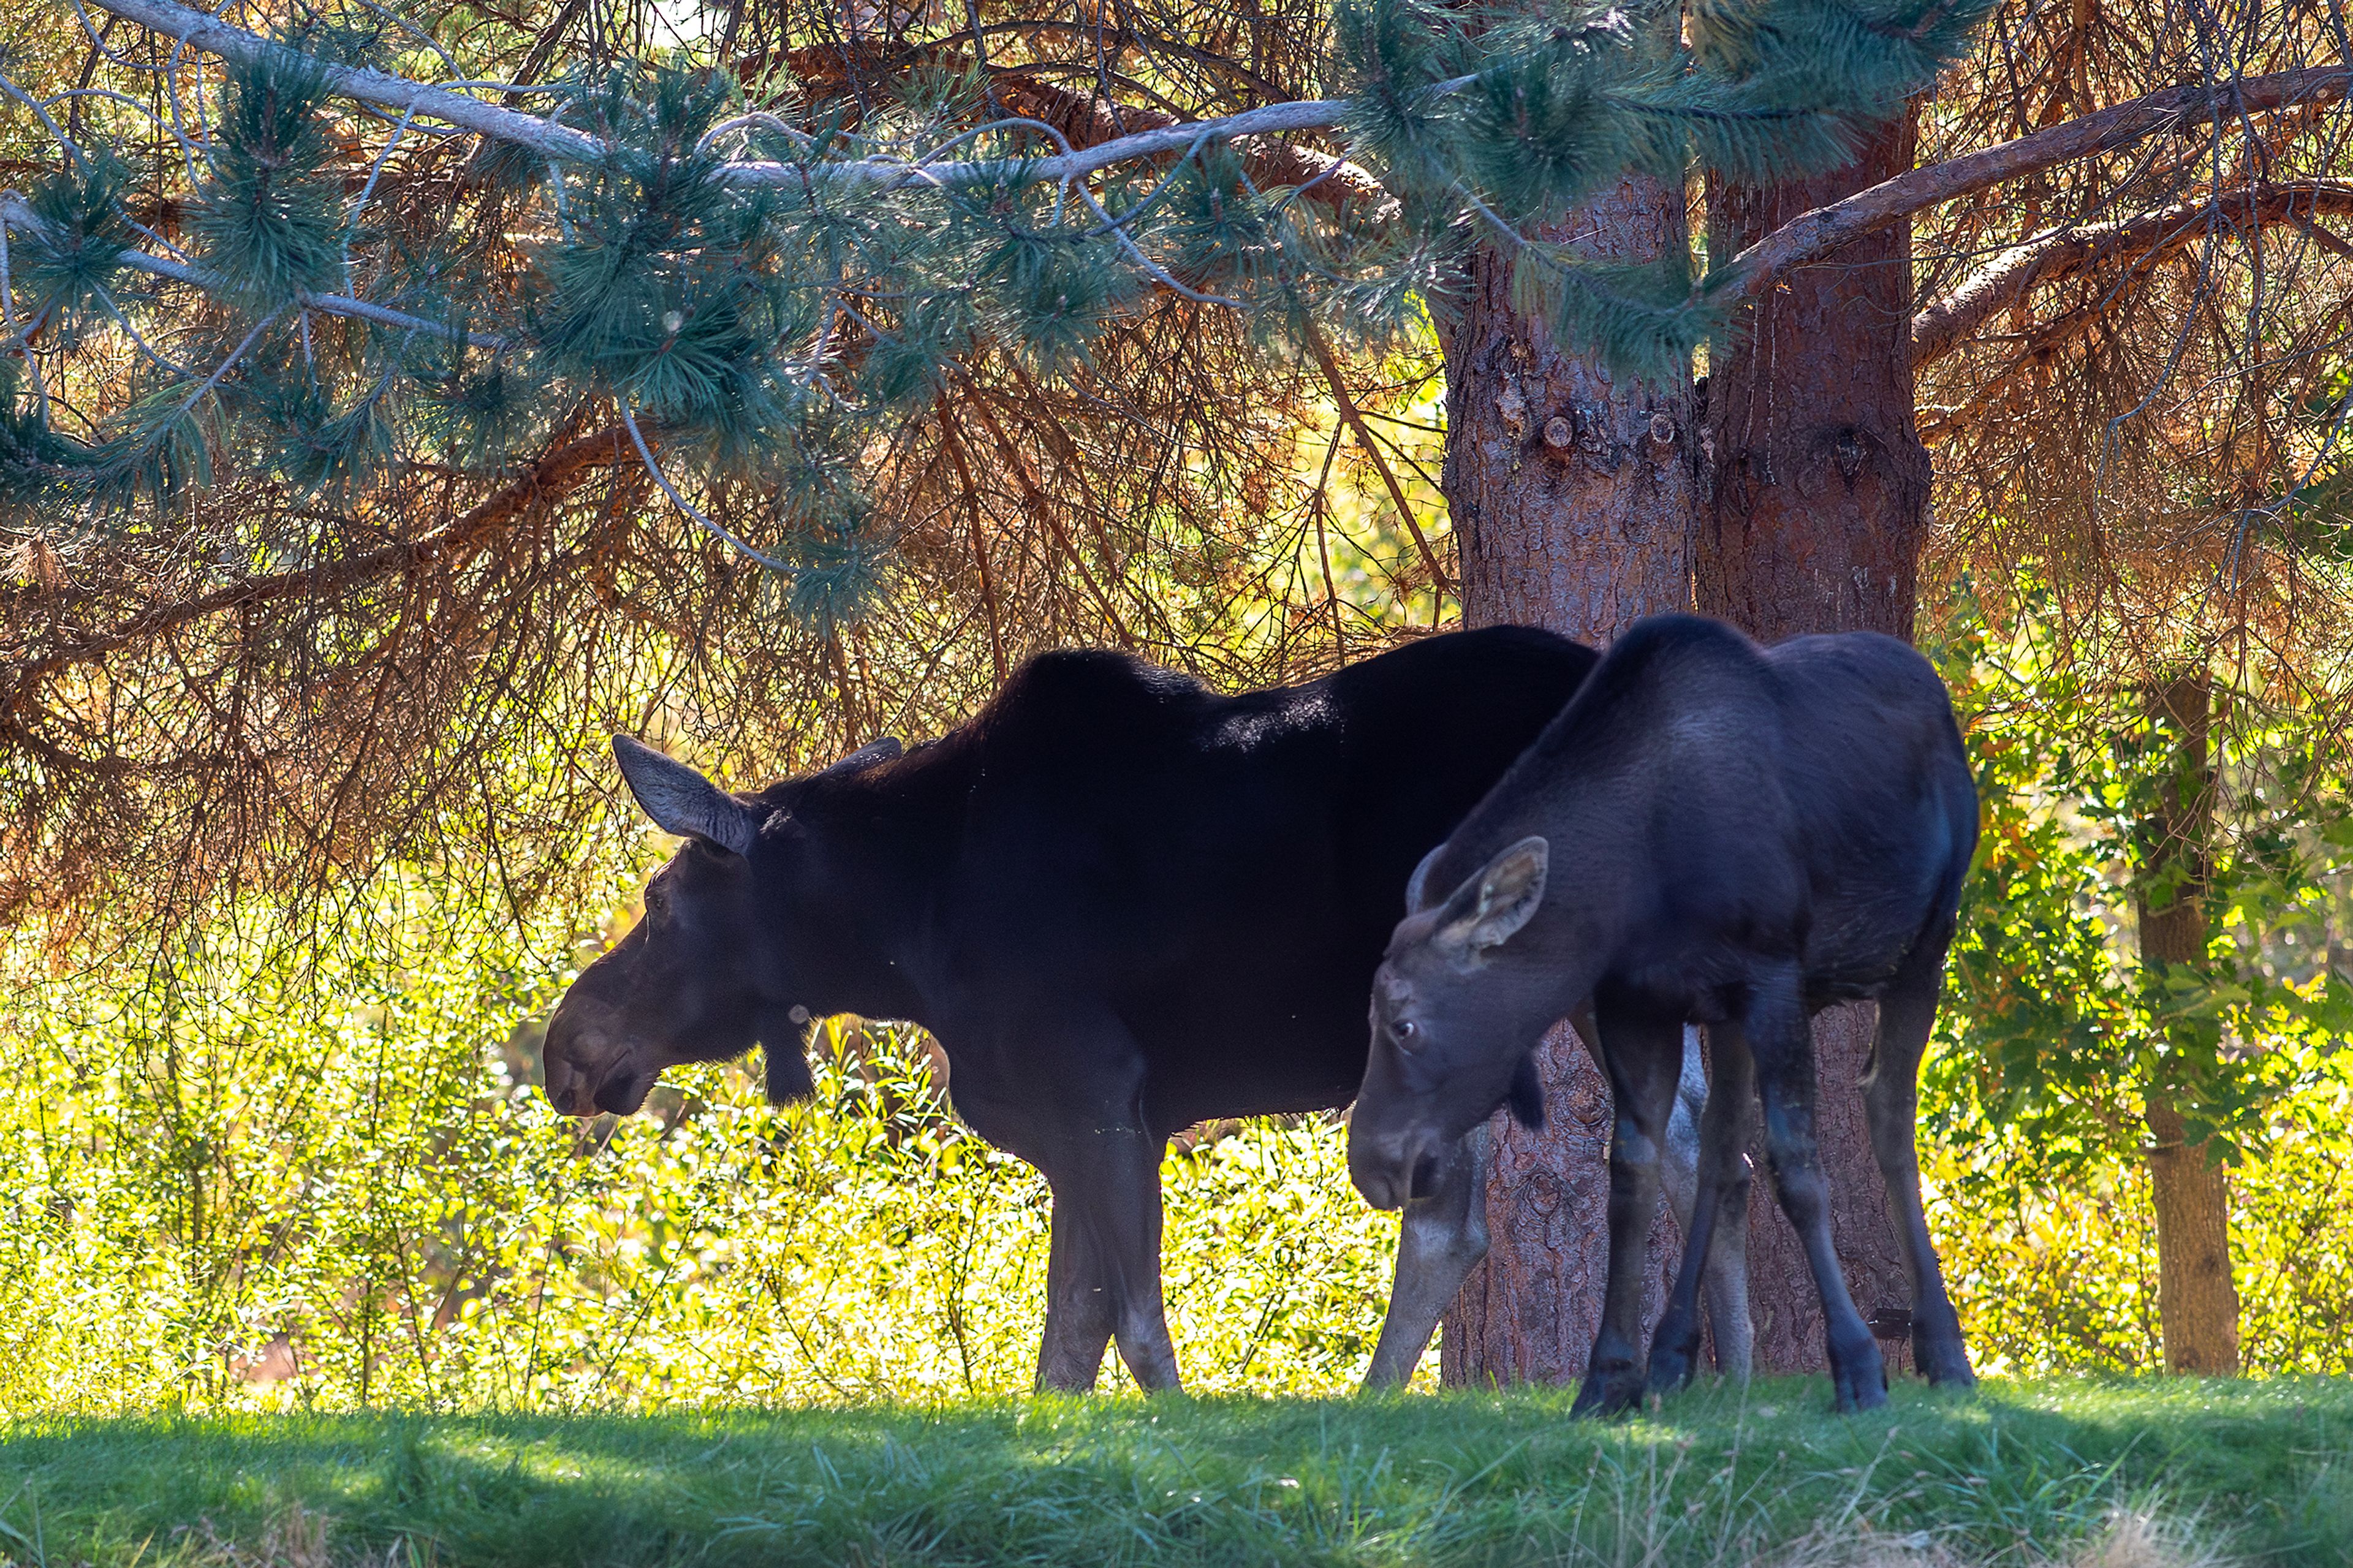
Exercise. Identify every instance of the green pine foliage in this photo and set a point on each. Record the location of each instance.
(266, 220)
(766, 334)
(73, 248)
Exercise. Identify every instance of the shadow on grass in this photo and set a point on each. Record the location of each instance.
(2017, 1474)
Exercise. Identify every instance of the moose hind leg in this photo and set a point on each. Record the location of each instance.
(1443, 1238)
(1103, 1271)
(1890, 1092)
(1643, 1051)
(1714, 1213)
(1724, 1283)
(1078, 1305)
(1780, 1038)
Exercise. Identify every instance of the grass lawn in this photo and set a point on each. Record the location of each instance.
(2262, 1471)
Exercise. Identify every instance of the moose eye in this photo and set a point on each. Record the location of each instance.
(1406, 1030)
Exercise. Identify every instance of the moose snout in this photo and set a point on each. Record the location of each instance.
(573, 1059)
(568, 1089)
(1392, 1168)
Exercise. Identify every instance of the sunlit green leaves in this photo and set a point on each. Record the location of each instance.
(2057, 1025)
(351, 1150)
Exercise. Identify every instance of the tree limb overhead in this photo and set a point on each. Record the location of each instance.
(1951, 321)
(1811, 236)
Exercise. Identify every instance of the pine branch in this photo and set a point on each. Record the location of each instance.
(1811, 236)
(1091, 123)
(694, 513)
(2011, 276)
(1086, 119)
(555, 473)
(558, 143)
(386, 91)
(16, 214)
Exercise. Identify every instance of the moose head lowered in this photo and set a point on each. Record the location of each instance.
(1121, 902)
(1716, 832)
(702, 977)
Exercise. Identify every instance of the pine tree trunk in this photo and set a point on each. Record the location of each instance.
(2197, 1303)
(1571, 498)
(1813, 523)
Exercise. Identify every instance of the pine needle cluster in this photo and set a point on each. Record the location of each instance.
(767, 301)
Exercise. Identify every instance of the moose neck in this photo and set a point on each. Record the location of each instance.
(1549, 968)
(851, 913)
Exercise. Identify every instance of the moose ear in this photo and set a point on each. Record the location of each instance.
(885, 750)
(682, 800)
(1416, 884)
(1488, 910)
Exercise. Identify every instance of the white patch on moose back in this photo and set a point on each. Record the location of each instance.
(1248, 731)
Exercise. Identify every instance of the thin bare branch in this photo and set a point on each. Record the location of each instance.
(1952, 320)
(1322, 351)
(1811, 236)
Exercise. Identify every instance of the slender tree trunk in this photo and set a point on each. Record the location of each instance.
(1813, 523)
(1571, 497)
(2197, 1303)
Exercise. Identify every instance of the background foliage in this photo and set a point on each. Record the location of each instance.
(264, 1158)
(2052, 1033)
(356, 1159)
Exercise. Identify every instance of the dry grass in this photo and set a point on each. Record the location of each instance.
(2130, 1538)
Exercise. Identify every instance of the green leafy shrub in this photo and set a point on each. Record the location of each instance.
(2051, 1034)
(212, 1178)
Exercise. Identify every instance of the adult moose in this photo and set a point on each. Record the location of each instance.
(1121, 902)
(1708, 831)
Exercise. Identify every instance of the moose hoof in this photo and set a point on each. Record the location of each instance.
(1937, 1351)
(1610, 1392)
(1865, 1388)
(1670, 1368)
(1944, 1366)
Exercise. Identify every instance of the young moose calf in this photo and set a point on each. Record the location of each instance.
(1715, 832)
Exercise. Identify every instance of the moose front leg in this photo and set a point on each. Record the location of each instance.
(1102, 1273)
(1078, 1304)
(1091, 1140)
(1643, 1051)
(1443, 1238)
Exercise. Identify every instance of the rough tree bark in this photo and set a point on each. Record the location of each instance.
(1571, 498)
(1813, 523)
(2196, 1302)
